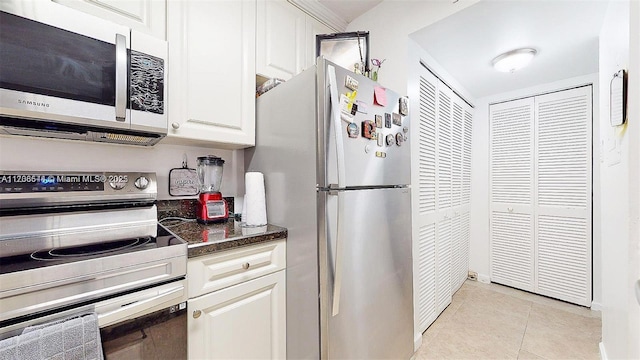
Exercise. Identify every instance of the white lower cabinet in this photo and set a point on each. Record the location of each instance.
(245, 321)
(237, 303)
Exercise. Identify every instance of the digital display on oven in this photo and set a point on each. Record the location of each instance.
(33, 183)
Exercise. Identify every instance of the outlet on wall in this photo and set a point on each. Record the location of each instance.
(472, 276)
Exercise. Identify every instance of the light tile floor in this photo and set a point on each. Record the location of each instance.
(490, 321)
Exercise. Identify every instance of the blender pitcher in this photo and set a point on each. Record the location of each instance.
(211, 206)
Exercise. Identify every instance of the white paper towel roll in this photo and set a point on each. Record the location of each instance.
(256, 207)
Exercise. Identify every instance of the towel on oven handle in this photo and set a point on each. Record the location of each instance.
(76, 337)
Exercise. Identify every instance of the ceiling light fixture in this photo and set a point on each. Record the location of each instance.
(514, 60)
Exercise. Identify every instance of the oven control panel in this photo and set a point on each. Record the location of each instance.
(52, 187)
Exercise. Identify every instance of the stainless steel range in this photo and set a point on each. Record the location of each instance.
(90, 242)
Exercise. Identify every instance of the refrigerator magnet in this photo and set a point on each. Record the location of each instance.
(351, 83)
(362, 106)
(404, 105)
(397, 119)
(399, 139)
(387, 120)
(379, 121)
(354, 109)
(352, 130)
(368, 129)
(380, 140)
(390, 139)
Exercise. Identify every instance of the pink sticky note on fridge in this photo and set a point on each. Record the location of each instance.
(380, 96)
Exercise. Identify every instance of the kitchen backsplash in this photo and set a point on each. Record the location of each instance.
(35, 154)
(185, 208)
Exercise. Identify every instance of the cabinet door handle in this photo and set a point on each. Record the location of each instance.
(246, 266)
(175, 125)
(510, 210)
(196, 314)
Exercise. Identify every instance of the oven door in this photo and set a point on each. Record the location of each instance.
(149, 323)
(153, 326)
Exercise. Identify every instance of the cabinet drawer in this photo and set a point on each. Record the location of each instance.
(220, 270)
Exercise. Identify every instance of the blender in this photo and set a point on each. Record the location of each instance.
(211, 206)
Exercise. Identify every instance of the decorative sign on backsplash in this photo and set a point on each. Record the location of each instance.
(183, 181)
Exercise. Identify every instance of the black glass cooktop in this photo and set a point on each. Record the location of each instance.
(58, 256)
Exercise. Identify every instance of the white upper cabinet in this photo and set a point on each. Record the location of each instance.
(286, 39)
(212, 72)
(147, 16)
(281, 39)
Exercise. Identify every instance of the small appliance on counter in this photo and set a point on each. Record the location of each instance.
(211, 206)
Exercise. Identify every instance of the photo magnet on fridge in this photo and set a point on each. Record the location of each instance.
(352, 130)
(379, 121)
(387, 120)
(397, 119)
(404, 105)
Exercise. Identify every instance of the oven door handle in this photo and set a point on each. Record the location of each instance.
(141, 307)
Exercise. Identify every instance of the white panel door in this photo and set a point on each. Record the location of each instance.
(424, 200)
(563, 184)
(511, 193)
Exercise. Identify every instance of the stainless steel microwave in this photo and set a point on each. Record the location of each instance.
(66, 74)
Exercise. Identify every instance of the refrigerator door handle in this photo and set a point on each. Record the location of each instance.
(335, 118)
(337, 270)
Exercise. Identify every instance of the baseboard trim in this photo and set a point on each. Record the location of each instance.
(596, 306)
(484, 278)
(603, 352)
(417, 341)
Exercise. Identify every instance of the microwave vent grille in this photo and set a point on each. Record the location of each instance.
(125, 139)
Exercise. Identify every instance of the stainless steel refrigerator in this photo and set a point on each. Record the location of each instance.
(337, 174)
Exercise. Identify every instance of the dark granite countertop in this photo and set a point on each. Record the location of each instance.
(205, 239)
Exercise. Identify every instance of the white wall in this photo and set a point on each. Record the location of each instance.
(390, 24)
(479, 246)
(29, 154)
(620, 186)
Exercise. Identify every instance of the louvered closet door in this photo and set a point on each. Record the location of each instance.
(443, 264)
(425, 198)
(444, 200)
(563, 183)
(457, 148)
(511, 193)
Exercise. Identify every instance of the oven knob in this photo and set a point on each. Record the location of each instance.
(117, 185)
(142, 182)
